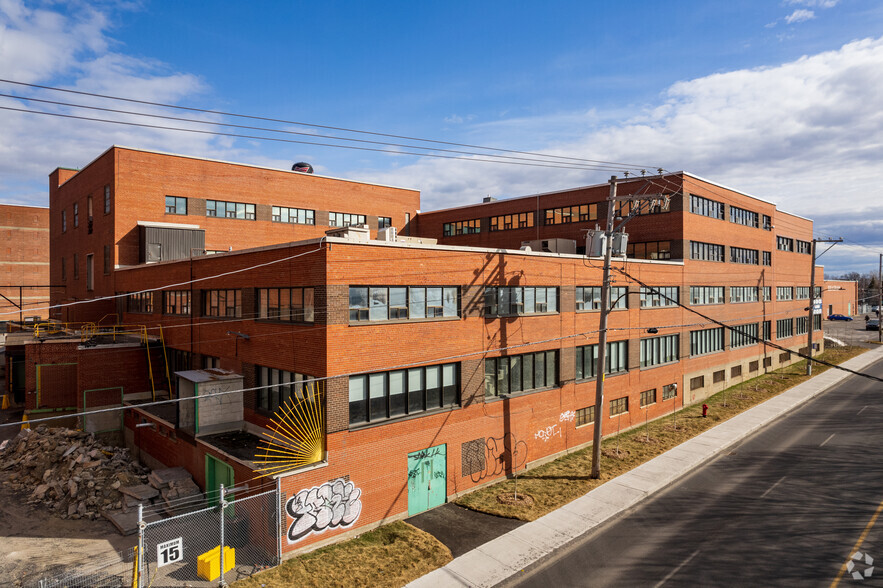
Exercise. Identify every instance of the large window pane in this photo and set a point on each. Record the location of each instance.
(449, 383)
(377, 395)
(358, 399)
(397, 393)
(416, 390)
(433, 387)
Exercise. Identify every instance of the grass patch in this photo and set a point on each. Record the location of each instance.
(556, 483)
(391, 555)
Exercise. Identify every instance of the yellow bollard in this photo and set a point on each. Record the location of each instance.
(5, 404)
(25, 424)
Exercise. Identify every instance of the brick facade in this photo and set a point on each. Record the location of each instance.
(24, 261)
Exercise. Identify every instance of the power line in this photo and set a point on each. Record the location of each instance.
(329, 127)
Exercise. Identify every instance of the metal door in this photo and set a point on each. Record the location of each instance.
(427, 479)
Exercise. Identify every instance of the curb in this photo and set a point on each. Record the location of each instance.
(507, 555)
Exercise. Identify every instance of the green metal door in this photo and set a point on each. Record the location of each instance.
(427, 479)
(216, 473)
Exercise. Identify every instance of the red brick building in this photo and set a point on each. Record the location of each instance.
(24, 262)
(439, 367)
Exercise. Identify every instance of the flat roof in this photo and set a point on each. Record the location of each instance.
(276, 169)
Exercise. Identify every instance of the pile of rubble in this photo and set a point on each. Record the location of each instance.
(69, 472)
(75, 476)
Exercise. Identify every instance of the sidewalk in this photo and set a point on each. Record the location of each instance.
(497, 560)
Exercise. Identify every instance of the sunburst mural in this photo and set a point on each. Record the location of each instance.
(297, 435)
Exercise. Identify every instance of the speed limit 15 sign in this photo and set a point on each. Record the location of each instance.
(169, 552)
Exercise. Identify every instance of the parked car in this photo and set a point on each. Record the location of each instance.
(839, 317)
(872, 325)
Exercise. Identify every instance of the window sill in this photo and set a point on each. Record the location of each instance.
(659, 365)
(491, 317)
(594, 378)
(435, 319)
(281, 322)
(589, 310)
(353, 427)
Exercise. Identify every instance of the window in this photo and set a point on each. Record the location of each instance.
(740, 294)
(767, 223)
(741, 255)
(697, 382)
(505, 222)
(642, 207)
(660, 350)
(754, 366)
(108, 263)
(210, 362)
(784, 328)
(648, 397)
(706, 341)
(615, 361)
(140, 302)
(223, 209)
(784, 357)
(718, 377)
(520, 373)
(63, 221)
(89, 213)
(385, 303)
(816, 322)
(63, 270)
(669, 391)
(76, 215)
(800, 325)
(107, 199)
(706, 207)
(345, 219)
(784, 293)
(299, 216)
(384, 395)
(279, 386)
(177, 205)
(706, 251)
(286, 304)
(619, 406)
(76, 266)
(176, 302)
(701, 295)
(743, 335)
(589, 297)
(384, 222)
(585, 416)
(818, 292)
(741, 216)
(767, 330)
(767, 293)
(466, 227)
(784, 243)
(767, 362)
(804, 247)
(649, 250)
(226, 303)
(517, 300)
(659, 297)
(767, 258)
(90, 271)
(801, 292)
(571, 214)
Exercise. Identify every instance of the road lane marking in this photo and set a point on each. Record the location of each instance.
(828, 439)
(677, 569)
(858, 544)
(859, 412)
(770, 489)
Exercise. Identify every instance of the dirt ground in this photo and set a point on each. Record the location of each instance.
(35, 544)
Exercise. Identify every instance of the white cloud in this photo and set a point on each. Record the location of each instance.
(815, 3)
(800, 15)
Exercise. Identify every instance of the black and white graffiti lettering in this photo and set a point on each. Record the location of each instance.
(547, 433)
(333, 504)
(503, 454)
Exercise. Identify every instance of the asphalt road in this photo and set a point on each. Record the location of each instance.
(786, 507)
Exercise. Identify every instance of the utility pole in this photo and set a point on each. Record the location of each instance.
(812, 300)
(600, 366)
(880, 302)
(602, 333)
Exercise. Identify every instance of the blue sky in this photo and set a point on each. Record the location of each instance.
(779, 99)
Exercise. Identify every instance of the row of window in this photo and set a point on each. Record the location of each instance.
(76, 211)
(714, 209)
(385, 395)
(618, 406)
(382, 303)
(282, 304)
(90, 269)
(505, 222)
(649, 250)
(280, 214)
(518, 300)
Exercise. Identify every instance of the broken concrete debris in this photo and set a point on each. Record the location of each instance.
(74, 475)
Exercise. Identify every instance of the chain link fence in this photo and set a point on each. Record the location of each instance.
(172, 548)
(112, 570)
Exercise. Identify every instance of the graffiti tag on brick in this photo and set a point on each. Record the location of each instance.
(333, 504)
(567, 416)
(547, 433)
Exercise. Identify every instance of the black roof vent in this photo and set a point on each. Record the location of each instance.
(303, 167)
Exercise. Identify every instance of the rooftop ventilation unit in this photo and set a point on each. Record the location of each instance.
(550, 245)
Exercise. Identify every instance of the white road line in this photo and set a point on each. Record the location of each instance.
(770, 489)
(859, 412)
(831, 436)
(677, 569)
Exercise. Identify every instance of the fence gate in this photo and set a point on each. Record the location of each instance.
(173, 547)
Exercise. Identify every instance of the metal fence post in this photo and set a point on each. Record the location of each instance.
(279, 519)
(223, 504)
(140, 553)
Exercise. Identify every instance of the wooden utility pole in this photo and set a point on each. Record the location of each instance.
(812, 301)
